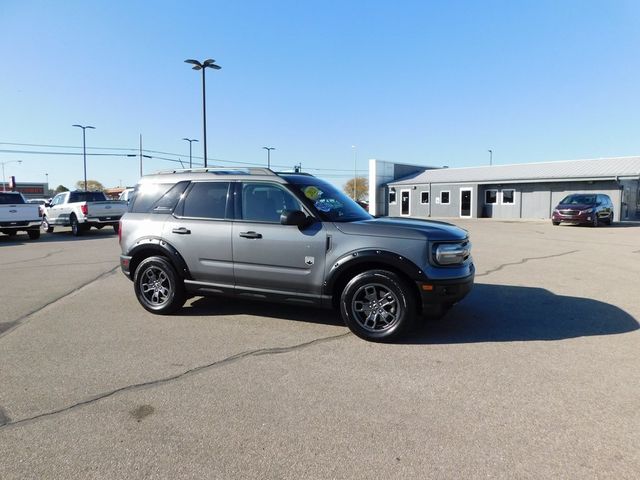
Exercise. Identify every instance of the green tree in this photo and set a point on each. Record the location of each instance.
(60, 189)
(362, 188)
(91, 185)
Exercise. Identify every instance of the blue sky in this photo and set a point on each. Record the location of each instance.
(433, 83)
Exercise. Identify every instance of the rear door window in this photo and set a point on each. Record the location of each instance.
(206, 200)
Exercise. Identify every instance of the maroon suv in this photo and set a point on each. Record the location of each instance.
(584, 208)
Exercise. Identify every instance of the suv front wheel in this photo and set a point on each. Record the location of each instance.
(377, 305)
(158, 287)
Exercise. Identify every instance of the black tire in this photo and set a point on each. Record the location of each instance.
(555, 223)
(33, 234)
(595, 222)
(76, 228)
(609, 220)
(116, 228)
(158, 287)
(378, 305)
(12, 233)
(46, 226)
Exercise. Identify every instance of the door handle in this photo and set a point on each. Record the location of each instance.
(253, 235)
(181, 231)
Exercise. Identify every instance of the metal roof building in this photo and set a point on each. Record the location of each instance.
(514, 191)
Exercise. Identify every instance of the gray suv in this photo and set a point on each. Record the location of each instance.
(288, 237)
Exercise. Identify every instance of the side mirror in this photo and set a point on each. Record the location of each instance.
(294, 217)
(47, 204)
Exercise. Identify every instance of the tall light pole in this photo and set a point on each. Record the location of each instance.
(209, 63)
(355, 174)
(4, 182)
(190, 140)
(84, 149)
(268, 149)
(142, 156)
(490, 157)
(47, 192)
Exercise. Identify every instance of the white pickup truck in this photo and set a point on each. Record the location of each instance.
(17, 215)
(81, 211)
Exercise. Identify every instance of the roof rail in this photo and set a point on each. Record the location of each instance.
(222, 171)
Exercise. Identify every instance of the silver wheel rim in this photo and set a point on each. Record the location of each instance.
(155, 286)
(375, 307)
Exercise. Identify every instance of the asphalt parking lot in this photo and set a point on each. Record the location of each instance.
(536, 374)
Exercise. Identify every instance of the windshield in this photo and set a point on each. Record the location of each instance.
(332, 204)
(579, 200)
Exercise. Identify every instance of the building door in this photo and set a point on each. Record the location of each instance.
(465, 202)
(405, 201)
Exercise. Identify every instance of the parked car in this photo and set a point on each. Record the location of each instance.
(81, 211)
(292, 238)
(125, 196)
(39, 201)
(584, 208)
(16, 215)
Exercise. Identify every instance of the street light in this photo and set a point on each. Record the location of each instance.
(190, 140)
(268, 149)
(490, 157)
(209, 63)
(84, 149)
(4, 182)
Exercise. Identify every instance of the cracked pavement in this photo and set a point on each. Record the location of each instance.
(535, 374)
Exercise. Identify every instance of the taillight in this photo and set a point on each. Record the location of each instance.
(84, 209)
(120, 232)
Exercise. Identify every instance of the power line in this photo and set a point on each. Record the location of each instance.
(179, 155)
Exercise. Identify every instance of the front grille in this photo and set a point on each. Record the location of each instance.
(569, 212)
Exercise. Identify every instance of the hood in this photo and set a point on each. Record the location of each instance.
(574, 206)
(403, 228)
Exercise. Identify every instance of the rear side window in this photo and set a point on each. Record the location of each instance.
(86, 197)
(170, 199)
(11, 198)
(206, 200)
(147, 194)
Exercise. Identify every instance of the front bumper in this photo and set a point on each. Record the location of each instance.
(577, 218)
(444, 292)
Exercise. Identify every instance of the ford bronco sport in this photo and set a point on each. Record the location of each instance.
(255, 234)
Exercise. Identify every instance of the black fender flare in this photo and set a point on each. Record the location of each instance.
(379, 257)
(150, 245)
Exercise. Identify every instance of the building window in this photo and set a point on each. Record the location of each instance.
(424, 197)
(444, 197)
(392, 196)
(490, 196)
(508, 197)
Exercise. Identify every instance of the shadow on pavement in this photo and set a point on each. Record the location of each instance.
(498, 313)
(221, 306)
(491, 313)
(62, 236)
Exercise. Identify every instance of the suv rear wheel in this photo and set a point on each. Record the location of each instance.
(377, 305)
(158, 287)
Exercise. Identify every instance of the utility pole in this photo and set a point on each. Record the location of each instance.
(355, 174)
(141, 155)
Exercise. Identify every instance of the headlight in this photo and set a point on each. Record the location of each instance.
(588, 210)
(452, 253)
